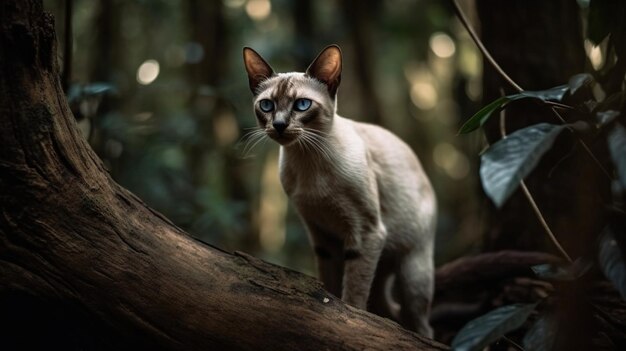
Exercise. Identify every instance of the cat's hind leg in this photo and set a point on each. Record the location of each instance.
(415, 282)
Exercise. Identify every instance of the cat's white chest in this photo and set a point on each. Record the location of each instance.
(313, 177)
(306, 180)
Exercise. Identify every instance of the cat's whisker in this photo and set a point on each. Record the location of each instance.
(322, 142)
(318, 145)
(317, 132)
(249, 134)
(302, 144)
(247, 137)
(250, 140)
(311, 146)
(258, 140)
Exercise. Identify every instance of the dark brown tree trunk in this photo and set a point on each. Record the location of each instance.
(359, 16)
(81, 256)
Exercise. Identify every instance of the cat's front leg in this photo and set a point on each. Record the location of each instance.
(328, 257)
(361, 254)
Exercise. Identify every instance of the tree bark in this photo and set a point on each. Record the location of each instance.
(80, 254)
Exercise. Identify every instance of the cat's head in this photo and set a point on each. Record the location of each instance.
(292, 105)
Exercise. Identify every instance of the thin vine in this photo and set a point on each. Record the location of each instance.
(519, 89)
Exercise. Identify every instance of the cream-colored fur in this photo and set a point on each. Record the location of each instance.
(368, 206)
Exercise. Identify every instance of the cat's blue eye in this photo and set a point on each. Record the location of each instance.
(266, 105)
(302, 104)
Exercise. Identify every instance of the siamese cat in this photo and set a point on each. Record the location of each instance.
(367, 205)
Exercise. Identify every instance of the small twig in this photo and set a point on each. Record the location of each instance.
(482, 47)
(543, 222)
(558, 104)
(531, 200)
(513, 343)
(593, 157)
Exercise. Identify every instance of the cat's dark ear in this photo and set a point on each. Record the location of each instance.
(327, 68)
(258, 70)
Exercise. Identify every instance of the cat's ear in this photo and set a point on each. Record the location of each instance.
(258, 70)
(327, 68)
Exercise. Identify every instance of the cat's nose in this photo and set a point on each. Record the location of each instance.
(280, 126)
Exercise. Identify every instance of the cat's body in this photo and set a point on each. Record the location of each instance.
(361, 192)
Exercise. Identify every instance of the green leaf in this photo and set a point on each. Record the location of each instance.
(505, 163)
(578, 81)
(612, 261)
(482, 331)
(480, 117)
(552, 272)
(78, 92)
(562, 271)
(552, 94)
(606, 117)
(617, 147)
(98, 88)
(541, 335)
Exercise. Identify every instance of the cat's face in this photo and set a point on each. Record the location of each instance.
(289, 107)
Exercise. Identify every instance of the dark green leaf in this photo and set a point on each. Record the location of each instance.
(482, 331)
(617, 147)
(541, 335)
(98, 88)
(612, 261)
(552, 94)
(505, 163)
(552, 272)
(562, 271)
(480, 117)
(78, 92)
(578, 81)
(606, 117)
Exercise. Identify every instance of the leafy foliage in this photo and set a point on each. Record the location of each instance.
(612, 261)
(508, 161)
(593, 106)
(579, 81)
(541, 335)
(482, 331)
(617, 147)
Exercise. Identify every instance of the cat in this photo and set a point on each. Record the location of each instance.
(368, 206)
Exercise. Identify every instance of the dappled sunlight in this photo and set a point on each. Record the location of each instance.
(258, 10)
(442, 45)
(148, 72)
